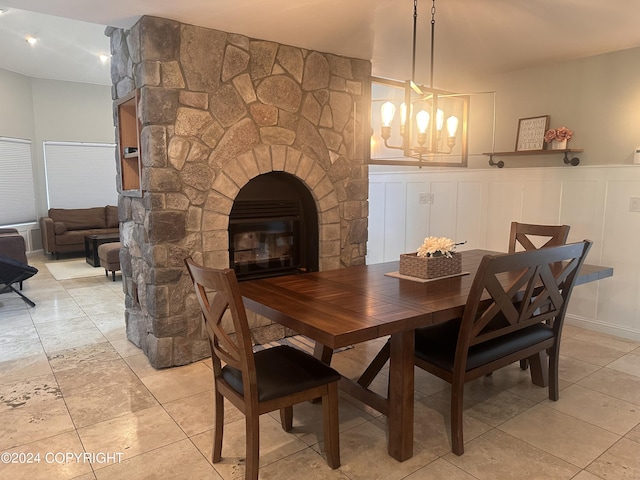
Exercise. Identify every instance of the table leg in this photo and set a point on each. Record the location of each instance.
(401, 392)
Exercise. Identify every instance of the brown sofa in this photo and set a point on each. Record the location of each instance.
(65, 228)
(12, 245)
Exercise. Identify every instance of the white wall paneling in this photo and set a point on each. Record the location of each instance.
(478, 205)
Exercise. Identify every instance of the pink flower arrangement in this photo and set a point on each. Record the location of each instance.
(560, 134)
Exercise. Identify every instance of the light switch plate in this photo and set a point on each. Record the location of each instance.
(634, 204)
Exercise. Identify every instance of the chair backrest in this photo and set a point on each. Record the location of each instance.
(219, 297)
(522, 233)
(509, 289)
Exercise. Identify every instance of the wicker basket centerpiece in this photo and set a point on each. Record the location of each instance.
(435, 258)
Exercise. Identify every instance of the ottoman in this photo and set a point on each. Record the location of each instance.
(109, 255)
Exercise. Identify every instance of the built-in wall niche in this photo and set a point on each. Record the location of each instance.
(129, 154)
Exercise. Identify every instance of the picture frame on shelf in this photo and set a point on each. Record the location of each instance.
(531, 132)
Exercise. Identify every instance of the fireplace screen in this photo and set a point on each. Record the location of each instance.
(265, 248)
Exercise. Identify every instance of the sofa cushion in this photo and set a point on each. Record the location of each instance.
(59, 228)
(79, 218)
(76, 237)
(112, 216)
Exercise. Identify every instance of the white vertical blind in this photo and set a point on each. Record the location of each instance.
(17, 193)
(80, 175)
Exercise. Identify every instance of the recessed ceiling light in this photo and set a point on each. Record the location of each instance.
(3, 10)
(104, 58)
(31, 40)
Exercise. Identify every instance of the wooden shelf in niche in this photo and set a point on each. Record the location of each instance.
(573, 160)
(129, 138)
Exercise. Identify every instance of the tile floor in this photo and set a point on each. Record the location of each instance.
(72, 384)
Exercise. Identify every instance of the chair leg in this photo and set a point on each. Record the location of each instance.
(218, 428)
(457, 400)
(554, 357)
(524, 364)
(286, 418)
(252, 454)
(330, 422)
(539, 369)
(113, 275)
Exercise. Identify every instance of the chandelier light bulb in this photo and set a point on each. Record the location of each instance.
(439, 120)
(31, 40)
(422, 119)
(452, 125)
(387, 111)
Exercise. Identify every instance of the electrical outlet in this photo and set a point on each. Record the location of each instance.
(423, 198)
(634, 204)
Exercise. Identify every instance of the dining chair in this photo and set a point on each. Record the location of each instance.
(525, 234)
(503, 324)
(271, 379)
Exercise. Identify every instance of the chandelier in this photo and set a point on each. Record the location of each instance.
(432, 123)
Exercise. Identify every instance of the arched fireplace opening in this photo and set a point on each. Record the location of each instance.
(273, 228)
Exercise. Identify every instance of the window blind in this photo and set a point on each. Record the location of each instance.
(17, 193)
(80, 175)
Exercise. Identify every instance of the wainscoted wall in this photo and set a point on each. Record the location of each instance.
(479, 205)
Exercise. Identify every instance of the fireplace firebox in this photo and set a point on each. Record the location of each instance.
(273, 228)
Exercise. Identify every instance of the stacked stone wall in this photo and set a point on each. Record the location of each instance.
(218, 109)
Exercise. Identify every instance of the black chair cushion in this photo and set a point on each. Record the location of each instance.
(13, 271)
(281, 371)
(436, 344)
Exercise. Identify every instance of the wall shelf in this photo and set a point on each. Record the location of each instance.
(565, 152)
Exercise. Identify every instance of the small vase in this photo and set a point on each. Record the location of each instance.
(558, 144)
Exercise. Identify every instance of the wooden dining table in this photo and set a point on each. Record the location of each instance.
(339, 308)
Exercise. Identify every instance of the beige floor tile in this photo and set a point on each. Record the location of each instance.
(620, 462)
(426, 383)
(628, 364)
(487, 403)
(306, 464)
(573, 370)
(363, 452)
(634, 434)
(590, 352)
(47, 459)
(432, 425)
(177, 460)
(517, 381)
(125, 348)
(30, 423)
(440, 470)
(275, 444)
(28, 392)
(584, 475)
(604, 411)
(139, 363)
(499, 456)
(65, 326)
(17, 332)
(617, 384)
(174, 383)
(88, 335)
(607, 340)
(88, 356)
(112, 326)
(75, 381)
(566, 437)
(24, 368)
(131, 434)
(59, 309)
(20, 349)
(195, 414)
(91, 406)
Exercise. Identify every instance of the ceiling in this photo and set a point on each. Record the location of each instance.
(473, 37)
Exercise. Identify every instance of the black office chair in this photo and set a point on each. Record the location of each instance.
(13, 271)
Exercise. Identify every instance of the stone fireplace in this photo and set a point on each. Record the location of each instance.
(220, 111)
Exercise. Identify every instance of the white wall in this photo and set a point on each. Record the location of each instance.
(38, 110)
(478, 205)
